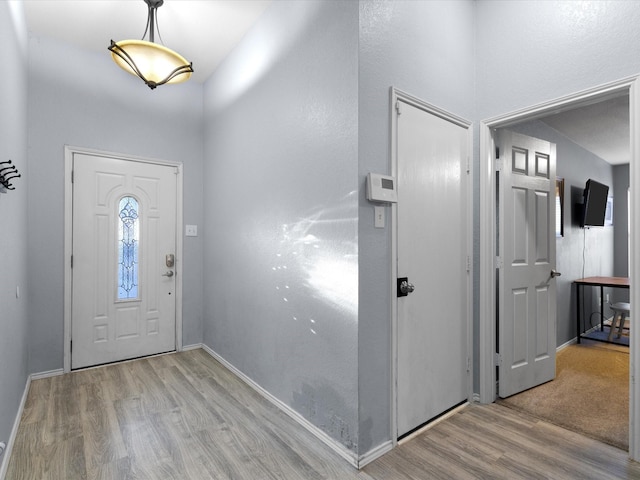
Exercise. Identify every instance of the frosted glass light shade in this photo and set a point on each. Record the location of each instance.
(153, 63)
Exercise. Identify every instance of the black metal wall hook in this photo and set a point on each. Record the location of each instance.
(8, 172)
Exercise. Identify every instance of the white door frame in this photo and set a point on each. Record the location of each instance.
(69, 152)
(487, 347)
(396, 95)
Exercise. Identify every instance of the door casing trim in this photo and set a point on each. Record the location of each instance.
(487, 327)
(69, 152)
(395, 96)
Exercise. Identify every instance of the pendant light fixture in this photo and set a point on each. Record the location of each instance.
(155, 64)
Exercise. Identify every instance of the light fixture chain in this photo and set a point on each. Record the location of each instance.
(146, 29)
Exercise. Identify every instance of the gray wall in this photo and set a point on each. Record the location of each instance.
(280, 230)
(621, 226)
(288, 136)
(13, 218)
(581, 252)
(433, 59)
(530, 51)
(100, 107)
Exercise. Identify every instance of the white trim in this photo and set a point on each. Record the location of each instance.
(634, 261)
(487, 307)
(487, 327)
(69, 152)
(194, 346)
(14, 431)
(393, 271)
(338, 448)
(179, 252)
(374, 453)
(573, 341)
(47, 374)
(395, 96)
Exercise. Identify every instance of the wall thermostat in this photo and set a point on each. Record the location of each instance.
(381, 188)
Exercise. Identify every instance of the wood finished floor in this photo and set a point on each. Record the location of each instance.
(184, 416)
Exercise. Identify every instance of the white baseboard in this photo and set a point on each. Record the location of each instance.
(338, 448)
(14, 431)
(195, 346)
(573, 341)
(374, 453)
(47, 374)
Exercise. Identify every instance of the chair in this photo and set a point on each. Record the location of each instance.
(620, 312)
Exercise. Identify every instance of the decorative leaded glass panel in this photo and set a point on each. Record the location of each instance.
(128, 241)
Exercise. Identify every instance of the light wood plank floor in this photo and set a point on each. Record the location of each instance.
(184, 416)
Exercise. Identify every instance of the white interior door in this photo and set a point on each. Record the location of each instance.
(527, 287)
(124, 245)
(432, 235)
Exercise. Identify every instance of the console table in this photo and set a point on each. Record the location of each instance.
(616, 282)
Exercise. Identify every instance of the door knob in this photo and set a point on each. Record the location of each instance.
(555, 274)
(168, 274)
(404, 287)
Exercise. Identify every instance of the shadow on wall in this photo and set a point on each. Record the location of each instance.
(310, 402)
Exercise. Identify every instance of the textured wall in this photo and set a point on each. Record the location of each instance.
(13, 216)
(425, 49)
(280, 174)
(530, 51)
(101, 107)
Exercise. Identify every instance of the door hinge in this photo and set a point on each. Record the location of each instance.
(499, 165)
(499, 262)
(398, 108)
(497, 152)
(468, 165)
(468, 364)
(498, 359)
(468, 263)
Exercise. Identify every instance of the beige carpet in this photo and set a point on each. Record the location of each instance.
(590, 394)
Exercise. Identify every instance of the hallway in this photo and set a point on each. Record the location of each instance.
(184, 416)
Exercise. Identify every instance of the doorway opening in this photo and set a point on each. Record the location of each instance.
(628, 86)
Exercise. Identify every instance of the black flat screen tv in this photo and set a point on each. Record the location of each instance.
(595, 204)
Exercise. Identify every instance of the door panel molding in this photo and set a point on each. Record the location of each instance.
(395, 97)
(527, 254)
(69, 152)
(487, 169)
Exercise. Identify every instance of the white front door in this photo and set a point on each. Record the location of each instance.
(432, 236)
(527, 258)
(124, 246)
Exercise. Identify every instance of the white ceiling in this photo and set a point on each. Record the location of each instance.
(602, 128)
(202, 31)
(205, 31)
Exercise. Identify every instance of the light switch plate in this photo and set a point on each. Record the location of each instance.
(378, 211)
(191, 230)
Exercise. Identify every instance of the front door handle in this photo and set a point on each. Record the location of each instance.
(168, 274)
(555, 274)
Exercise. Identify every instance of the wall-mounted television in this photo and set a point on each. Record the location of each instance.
(595, 204)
